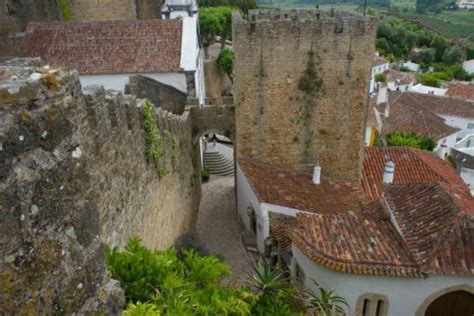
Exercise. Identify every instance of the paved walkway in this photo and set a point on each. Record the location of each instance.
(218, 228)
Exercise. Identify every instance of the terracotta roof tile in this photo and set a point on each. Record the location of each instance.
(400, 77)
(107, 47)
(411, 166)
(379, 60)
(296, 189)
(461, 90)
(436, 104)
(408, 118)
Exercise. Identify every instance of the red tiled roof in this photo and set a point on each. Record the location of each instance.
(430, 221)
(353, 243)
(107, 47)
(411, 166)
(438, 105)
(461, 90)
(296, 189)
(408, 118)
(379, 60)
(400, 77)
(429, 234)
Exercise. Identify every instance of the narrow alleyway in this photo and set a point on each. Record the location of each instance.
(218, 228)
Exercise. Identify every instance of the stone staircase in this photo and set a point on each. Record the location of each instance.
(218, 164)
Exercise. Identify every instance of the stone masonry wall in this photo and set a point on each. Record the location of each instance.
(300, 88)
(87, 10)
(166, 97)
(74, 177)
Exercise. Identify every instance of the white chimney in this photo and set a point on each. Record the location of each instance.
(388, 172)
(382, 95)
(317, 174)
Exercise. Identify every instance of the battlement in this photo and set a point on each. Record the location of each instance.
(75, 175)
(320, 21)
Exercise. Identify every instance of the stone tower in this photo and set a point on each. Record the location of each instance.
(301, 83)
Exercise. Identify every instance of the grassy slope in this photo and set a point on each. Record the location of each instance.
(459, 23)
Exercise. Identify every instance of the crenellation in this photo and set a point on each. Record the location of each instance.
(78, 158)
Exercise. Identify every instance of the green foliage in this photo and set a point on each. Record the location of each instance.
(429, 79)
(243, 5)
(209, 27)
(65, 10)
(173, 286)
(309, 82)
(142, 309)
(276, 295)
(154, 150)
(453, 55)
(205, 174)
(225, 61)
(411, 140)
(381, 78)
(326, 302)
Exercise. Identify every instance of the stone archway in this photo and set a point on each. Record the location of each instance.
(456, 300)
(220, 119)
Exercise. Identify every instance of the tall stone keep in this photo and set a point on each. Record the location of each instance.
(301, 83)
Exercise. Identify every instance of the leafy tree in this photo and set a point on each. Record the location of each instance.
(209, 27)
(453, 55)
(429, 79)
(381, 78)
(225, 61)
(411, 140)
(326, 302)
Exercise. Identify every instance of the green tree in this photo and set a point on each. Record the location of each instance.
(411, 140)
(429, 79)
(209, 27)
(453, 55)
(225, 61)
(381, 78)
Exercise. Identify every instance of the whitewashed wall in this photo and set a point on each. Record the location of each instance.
(405, 295)
(459, 122)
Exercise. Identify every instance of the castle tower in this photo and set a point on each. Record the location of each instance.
(301, 83)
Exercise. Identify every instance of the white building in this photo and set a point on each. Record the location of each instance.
(465, 4)
(379, 66)
(468, 66)
(427, 90)
(176, 9)
(399, 80)
(108, 52)
(411, 66)
(373, 253)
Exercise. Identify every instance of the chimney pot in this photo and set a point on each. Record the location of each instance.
(389, 172)
(317, 175)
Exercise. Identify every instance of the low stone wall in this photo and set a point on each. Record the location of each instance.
(166, 97)
(73, 177)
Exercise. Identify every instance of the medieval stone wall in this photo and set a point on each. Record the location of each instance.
(166, 97)
(87, 10)
(300, 88)
(73, 177)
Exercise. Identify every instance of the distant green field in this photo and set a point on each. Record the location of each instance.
(294, 4)
(458, 23)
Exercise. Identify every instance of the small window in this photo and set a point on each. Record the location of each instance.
(470, 125)
(372, 305)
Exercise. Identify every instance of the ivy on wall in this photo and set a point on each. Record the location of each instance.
(65, 10)
(154, 149)
(309, 82)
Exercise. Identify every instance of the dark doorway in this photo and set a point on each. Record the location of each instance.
(458, 303)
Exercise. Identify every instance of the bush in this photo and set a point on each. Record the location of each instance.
(411, 140)
(225, 61)
(162, 283)
(381, 78)
(205, 174)
(429, 79)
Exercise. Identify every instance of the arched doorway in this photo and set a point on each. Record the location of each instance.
(458, 301)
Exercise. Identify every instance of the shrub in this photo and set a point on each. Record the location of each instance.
(154, 151)
(381, 78)
(411, 140)
(205, 174)
(225, 61)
